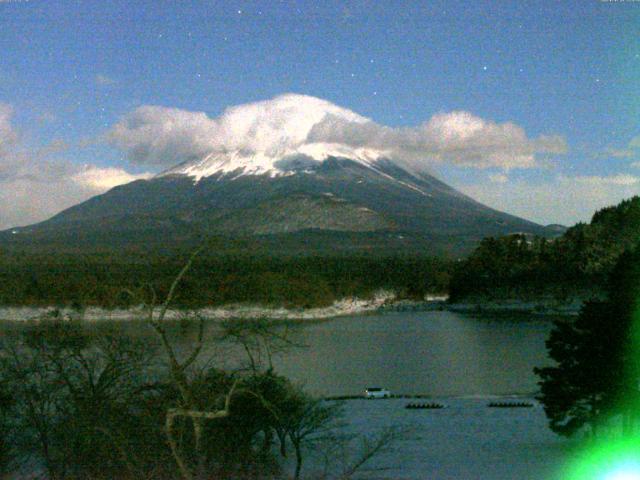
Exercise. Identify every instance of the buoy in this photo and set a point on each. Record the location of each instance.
(510, 405)
(424, 406)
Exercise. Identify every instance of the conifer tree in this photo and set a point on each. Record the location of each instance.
(596, 355)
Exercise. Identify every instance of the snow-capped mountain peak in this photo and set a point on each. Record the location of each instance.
(272, 137)
(282, 163)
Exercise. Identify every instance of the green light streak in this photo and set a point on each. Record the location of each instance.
(609, 460)
(616, 457)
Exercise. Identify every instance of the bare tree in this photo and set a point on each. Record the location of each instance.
(310, 417)
(40, 395)
(189, 406)
(370, 448)
(261, 339)
(73, 395)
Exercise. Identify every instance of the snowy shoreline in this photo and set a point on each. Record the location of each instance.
(382, 302)
(344, 307)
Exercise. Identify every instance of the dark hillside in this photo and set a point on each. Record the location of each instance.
(576, 263)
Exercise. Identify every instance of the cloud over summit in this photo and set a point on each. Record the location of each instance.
(163, 137)
(36, 183)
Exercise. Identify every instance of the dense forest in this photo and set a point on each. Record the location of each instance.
(111, 280)
(576, 264)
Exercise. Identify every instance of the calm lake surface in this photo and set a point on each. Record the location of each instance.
(433, 353)
(459, 360)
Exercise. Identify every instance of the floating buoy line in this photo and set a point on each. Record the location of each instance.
(510, 405)
(418, 406)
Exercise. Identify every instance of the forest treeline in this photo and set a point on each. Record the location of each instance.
(109, 280)
(577, 263)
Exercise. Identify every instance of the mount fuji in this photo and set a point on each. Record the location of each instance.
(289, 175)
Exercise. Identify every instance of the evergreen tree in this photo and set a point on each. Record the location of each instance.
(582, 388)
(596, 371)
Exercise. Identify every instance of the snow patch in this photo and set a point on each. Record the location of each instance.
(262, 163)
(251, 139)
(346, 306)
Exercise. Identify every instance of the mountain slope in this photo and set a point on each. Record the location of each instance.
(293, 174)
(382, 205)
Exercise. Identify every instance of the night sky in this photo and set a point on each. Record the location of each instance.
(567, 70)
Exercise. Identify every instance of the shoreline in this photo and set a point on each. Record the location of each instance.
(340, 308)
(383, 302)
(540, 308)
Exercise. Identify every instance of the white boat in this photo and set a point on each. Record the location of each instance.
(376, 392)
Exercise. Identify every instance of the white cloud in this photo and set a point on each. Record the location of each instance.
(458, 138)
(105, 80)
(630, 151)
(618, 153)
(562, 199)
(499, 178)
(618, 179)
(44, 188)
(33, 187)
(101, 179)
(8, 135)
(160, 136)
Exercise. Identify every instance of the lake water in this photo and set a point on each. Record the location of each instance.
(460, 360)
(433, 353)
(464, 441)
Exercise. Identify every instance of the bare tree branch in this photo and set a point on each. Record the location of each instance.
(177, 281)
(198, 348)
(371, 448)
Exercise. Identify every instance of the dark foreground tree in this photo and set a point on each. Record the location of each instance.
(583, 387)
(79, 401)
(596, 356)
(6, 430)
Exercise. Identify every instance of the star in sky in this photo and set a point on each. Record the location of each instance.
(422, 66)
